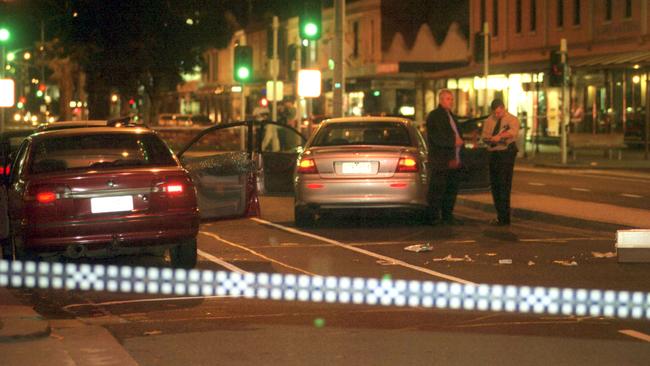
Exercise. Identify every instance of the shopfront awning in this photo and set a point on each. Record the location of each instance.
(477, 69)
(617, 60)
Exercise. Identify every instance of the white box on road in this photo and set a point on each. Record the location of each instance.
(633, 246)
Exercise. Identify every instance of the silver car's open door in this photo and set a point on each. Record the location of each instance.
(277, 148)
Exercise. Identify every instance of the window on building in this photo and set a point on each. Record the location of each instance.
(518, 17)
(576, 12)
(483, 18)
(608, 10)
(628, 8)
(495, 18)
(355, 29)
(533, 15)
(560, 13)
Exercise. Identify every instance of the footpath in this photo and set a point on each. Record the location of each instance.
(28, 339)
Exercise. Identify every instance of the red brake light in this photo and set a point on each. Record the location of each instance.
(307, 166)
(407, 165)
(173, 188)
(6, 170)
(45, 197)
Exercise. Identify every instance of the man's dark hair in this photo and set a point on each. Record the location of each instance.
(496, 104)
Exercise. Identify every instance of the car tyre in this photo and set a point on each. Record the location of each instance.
(303, 216)
(184, 254)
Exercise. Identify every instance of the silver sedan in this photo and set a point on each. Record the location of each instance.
(361, 162)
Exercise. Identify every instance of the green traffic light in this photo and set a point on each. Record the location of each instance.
(243, 73)
(11, 56)
(311, 29)
(39, 93)
(4, 34)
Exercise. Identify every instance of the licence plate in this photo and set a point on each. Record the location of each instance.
(356, 167)
(111, 204)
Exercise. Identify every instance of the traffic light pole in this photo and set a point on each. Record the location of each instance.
(298, 101)
(486, 65)
(274, 70)
(339, 64)
(565, 101)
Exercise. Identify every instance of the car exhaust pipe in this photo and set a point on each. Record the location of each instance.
(76, 251)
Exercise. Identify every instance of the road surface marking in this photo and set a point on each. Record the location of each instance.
(536, 184)
(564, 240)
(363, 251)
(108, 303)
(215, 236)
(631, 195)
(635, 334)
(220, 261)
(580, 189)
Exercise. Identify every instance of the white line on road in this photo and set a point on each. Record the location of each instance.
(123, 302)
(635, 334)
(536, 184)
(580, 189)
(631, 195)
(220, 261)
(215, 236)
(363, 251)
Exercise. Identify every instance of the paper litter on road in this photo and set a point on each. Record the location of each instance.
(566, 263)
(531, 263)
(153, 332)
(419, 248)
(449, 258)
(505, 261)
(603, 255)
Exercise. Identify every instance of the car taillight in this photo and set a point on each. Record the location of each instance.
(406, 165)
(173, 188)
(5, 170)
(307, 166)
(44, 197)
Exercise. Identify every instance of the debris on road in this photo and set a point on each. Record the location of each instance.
(603, 255)
(531, 263)
(449, 258)
(566, 263)
(491, 254)
(386, 263)
(153, 332)
(505, 261)
(419, 248)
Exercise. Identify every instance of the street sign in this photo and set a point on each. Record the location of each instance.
(279, 88)
(309, 83)
(7, 93)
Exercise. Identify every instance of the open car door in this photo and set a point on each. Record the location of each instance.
(277, 149)
(219, 162)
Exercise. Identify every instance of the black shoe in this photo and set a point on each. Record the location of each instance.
(498, 222)
(453, 222)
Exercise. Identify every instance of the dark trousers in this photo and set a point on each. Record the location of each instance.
(443, 188)
(502, 164)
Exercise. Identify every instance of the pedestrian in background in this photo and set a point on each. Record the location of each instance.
(500, 132)
(445, 147)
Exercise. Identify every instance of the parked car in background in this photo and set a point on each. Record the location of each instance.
(100, 191)
(183, 120)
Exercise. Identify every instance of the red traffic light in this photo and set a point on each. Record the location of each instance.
(42, 87)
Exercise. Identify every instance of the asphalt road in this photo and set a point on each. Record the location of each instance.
(219, 330)
(629, 190)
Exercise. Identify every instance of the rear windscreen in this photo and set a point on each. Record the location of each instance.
(363, 133)
(99, 151)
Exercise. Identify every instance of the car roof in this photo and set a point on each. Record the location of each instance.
(367, 119)
(91, 131)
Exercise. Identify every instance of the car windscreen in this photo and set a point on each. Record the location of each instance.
(98, 151)
(363, 133)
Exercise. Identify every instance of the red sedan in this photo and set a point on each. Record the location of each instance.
(101, 191)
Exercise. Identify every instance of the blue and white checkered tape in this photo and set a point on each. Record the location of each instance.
(343, 290)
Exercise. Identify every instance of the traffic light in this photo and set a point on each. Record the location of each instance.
(243, 70)
(556, 70)
(310, 20)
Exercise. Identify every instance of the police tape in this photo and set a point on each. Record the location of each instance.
(342, 290)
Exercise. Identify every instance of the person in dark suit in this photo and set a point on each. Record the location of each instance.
(500, 132)
(445, 148)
